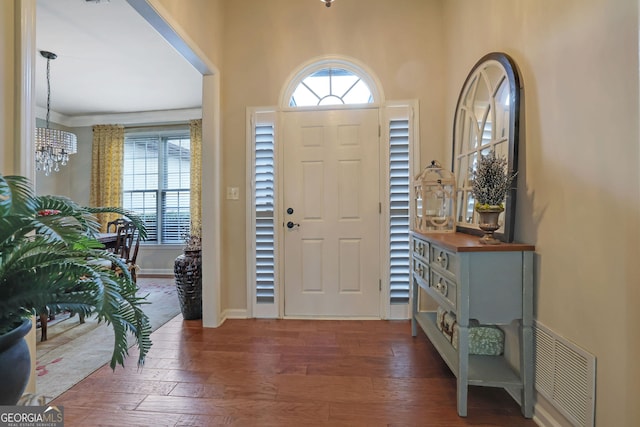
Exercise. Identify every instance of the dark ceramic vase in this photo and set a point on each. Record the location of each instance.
(15, 364)
(188, 274)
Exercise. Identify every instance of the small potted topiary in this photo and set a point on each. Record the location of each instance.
(490, 184)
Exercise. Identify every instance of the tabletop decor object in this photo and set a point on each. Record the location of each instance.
(434, 190)
(491, 182)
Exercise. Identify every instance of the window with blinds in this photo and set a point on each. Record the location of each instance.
(264, 213)
(399, 210)
(156, 182)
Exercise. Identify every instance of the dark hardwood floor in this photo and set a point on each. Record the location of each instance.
(284, 373)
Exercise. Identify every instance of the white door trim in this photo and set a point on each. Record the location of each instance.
(389, 111)
(392, 110)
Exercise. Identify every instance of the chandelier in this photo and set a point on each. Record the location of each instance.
(53, 146)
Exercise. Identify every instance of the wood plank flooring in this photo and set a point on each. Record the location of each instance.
(284, 373)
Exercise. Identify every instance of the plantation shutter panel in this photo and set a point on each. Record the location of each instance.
(399, 194)
(264, 213)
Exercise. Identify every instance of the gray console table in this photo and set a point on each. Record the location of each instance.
(490, 283)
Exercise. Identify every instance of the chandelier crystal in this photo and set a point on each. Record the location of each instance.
(53, 146)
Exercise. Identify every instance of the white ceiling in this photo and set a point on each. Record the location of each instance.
(110, 60)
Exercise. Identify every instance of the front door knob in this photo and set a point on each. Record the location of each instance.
(291, 224)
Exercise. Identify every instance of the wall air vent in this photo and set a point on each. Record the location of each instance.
(565, 376)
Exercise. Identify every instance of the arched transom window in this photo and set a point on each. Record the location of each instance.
(331, 86)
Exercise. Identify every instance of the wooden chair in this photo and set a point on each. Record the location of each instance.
(125, 233)
(122, 227)
(127, 246)
(132, 254)
(44, 320)
(124, 243)
(113, 226)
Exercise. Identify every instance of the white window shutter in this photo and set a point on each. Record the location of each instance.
(264, 214)
(399, 274)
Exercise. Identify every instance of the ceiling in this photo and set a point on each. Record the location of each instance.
(110, 61)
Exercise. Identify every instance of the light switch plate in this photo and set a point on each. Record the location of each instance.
(233, 193)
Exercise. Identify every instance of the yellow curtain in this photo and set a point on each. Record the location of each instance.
(106, 169)
(196, 175)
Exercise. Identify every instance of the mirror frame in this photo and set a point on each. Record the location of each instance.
(510, 72)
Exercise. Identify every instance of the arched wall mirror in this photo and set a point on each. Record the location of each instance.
(486, 118)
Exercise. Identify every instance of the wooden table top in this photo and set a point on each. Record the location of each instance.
(462, 242)
(107, 239)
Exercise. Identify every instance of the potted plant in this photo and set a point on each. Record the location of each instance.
(490, 184)
(188, 275)
(50, 258)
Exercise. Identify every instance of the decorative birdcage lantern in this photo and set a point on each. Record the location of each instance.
(434, 192)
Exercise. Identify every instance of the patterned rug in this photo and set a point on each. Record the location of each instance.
(74, 350)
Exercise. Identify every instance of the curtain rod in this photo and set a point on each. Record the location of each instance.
(158, 127)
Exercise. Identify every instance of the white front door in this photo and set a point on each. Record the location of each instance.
(331, 213)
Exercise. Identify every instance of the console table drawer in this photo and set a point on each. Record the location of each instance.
(420, 249)
(443, 260)
(420, 269)
(444, 288)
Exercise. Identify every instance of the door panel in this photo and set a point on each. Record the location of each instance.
(331, 178)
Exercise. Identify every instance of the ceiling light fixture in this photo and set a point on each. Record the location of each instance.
(53, 146)
(327, 2)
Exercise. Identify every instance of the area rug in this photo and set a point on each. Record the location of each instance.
(74, 350)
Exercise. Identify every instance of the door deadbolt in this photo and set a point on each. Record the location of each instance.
(289, 211)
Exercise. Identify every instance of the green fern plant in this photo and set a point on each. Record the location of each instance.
(50, 257)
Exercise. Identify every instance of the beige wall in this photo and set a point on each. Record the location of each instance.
(7, 46)
(580, 160)
(266, 41)
(201, 20)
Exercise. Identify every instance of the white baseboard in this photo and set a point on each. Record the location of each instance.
(155, 272)
(235, 313)
(546, 415)
(544, 418)
(230, 314)
(541, 416)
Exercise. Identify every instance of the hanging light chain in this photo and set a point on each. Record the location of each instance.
(49, 56)
(48, 88)
(53, 146)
